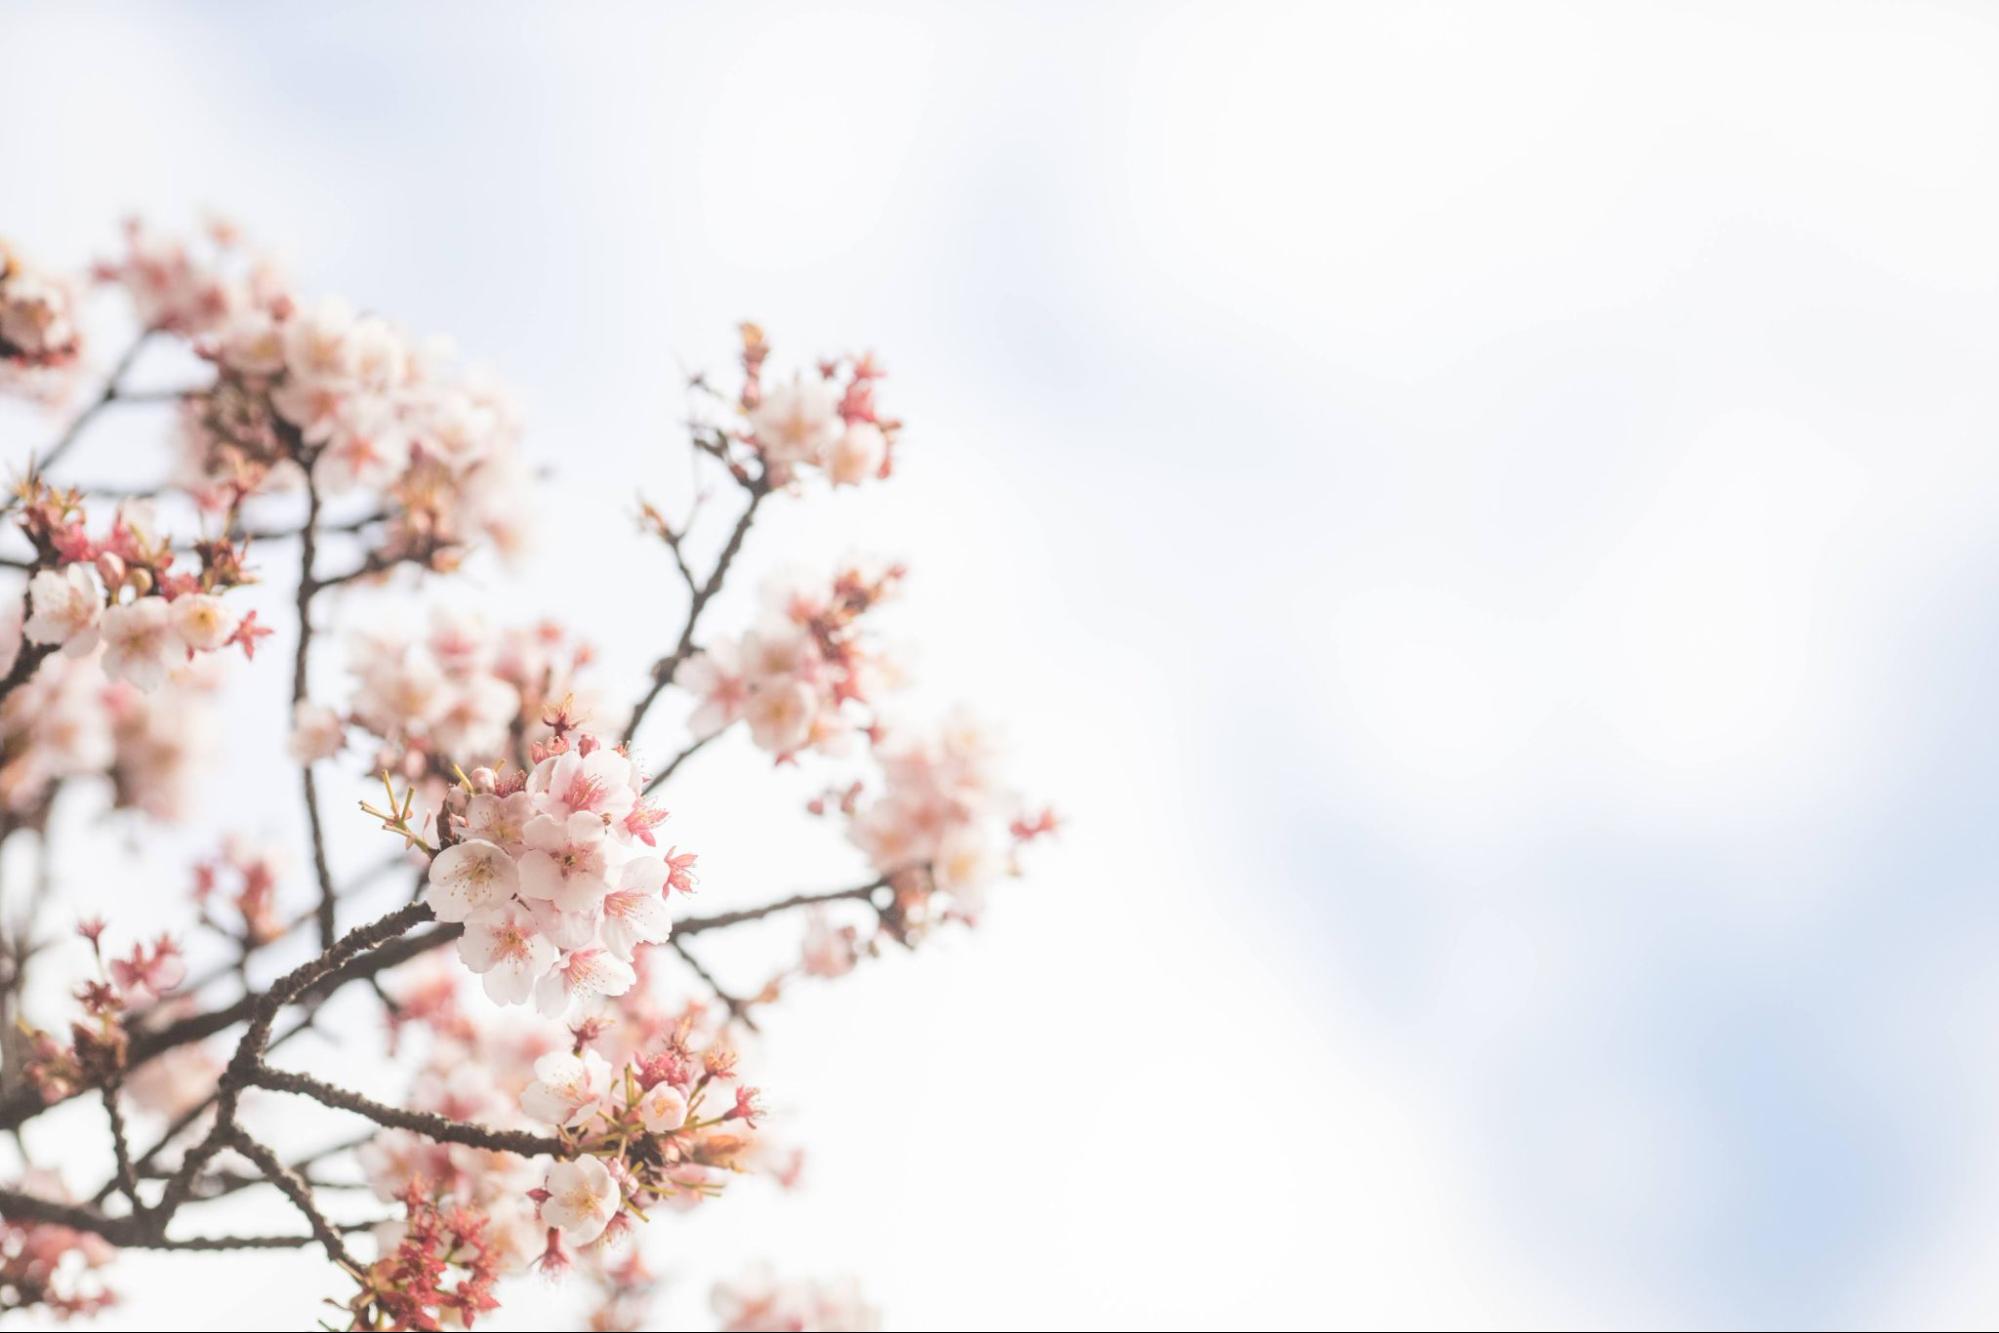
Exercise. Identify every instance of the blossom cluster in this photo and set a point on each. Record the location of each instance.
(349, 396)
(132, 637)
(472, 1071)
(437, 1271)
(123, 591)
(627, 1091)
(48, 1265)
(72, 722)
(942, 828)
(245, 874)
(460, 694)
(430, 441)
(643, 1133)
(191, 287)
(144, 976)
(806, 675)
(824, 420)
(38, 325)
(556, 874)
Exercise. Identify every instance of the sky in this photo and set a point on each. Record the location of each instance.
(1481, 516)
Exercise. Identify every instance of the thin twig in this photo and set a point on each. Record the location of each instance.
(695, 925)
(112, 392)
(738, 1008)
(664, 671)
(660, 778)
(308, 587)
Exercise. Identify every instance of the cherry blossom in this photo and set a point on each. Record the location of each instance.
(68, 607)
(509, 951)
(139, 642)
(38, 320)
(566, 1087)
(49, 1265)
(201, 622)
(635, 912)
(470, 879)
(663, 1107)
(582, 974)
(798, 420)
(858, 454)
(806, 675)
(582, 1199)
(317, 733)
(565, 863)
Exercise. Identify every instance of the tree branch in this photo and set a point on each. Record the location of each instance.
(300, 1194)
(112, 392)
(663, 672)
(660, 778)
(308, 587)
(695, 925)
(431, 1126)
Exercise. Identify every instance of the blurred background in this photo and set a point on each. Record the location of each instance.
(1486, 518)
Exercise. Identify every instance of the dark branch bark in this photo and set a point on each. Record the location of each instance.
(442, 1128)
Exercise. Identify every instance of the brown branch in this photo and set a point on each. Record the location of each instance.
(362, 953)
(188, 1117)
(308, 588)
(664, 671)
(251, 1242)
(431, 1126)
(300, 1194)
(250, 1050)
(695, 925)
(386, 945)
(374, 563)
(121, 1143)
(113, 391)
(132, 1230)
(21, 1206)
(739, 1009)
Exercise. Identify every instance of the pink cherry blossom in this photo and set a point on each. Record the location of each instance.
(566, 1087)
(508, 951)
(663, 1108)
(598, 784)
(635, 912)
(565, 862)
(68, 606)
(317, 733)
(201, 622)
(470, 879)
(583, 974)
(139, 643)
(582, 1199)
